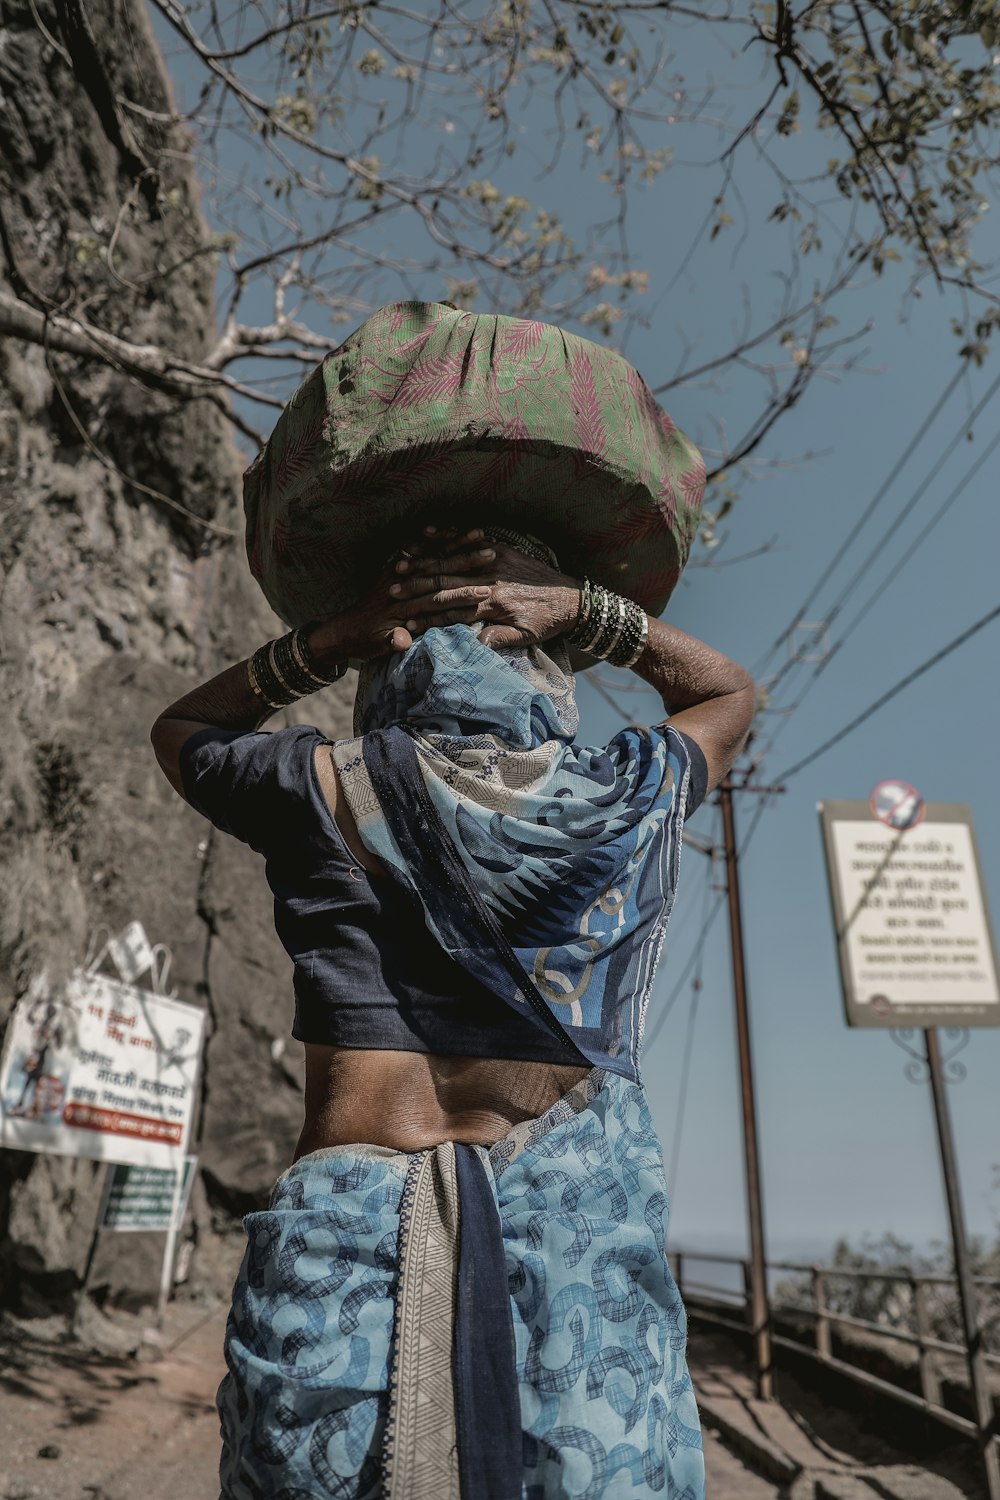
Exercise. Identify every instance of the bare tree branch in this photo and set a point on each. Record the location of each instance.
(363, 148)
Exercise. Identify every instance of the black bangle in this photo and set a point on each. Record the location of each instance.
(300, 644)
(609, 626)
(291, 675)
(628, 637)
(612, 627)
(284, 670)
(633, 642)
(599, 609)
(264, 680)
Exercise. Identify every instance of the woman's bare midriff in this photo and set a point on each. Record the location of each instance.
(409, 1101)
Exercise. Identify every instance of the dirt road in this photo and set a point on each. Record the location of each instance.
(87, 1427)
(77, 1426)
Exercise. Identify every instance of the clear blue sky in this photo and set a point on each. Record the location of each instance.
(848, 1144)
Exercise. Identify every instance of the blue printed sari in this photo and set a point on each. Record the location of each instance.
(487, 1324)
(472, 1323)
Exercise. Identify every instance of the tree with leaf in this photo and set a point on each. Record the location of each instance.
(363, 151)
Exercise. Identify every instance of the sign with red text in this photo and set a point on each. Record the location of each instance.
(103, 1069)
(914, 937)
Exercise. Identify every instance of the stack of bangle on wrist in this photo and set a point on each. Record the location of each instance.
(609, 626)
(284, 670)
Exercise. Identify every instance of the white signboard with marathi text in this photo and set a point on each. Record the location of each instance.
(101, 1069)
(913, 931)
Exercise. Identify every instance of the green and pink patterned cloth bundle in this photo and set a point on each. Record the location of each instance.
(426, 413)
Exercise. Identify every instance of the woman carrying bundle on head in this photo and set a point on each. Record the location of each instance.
(459, 1289)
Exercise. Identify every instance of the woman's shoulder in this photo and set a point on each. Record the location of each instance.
(245, 780)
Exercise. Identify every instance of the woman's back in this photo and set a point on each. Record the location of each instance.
(404, 1048)
(410, 1100)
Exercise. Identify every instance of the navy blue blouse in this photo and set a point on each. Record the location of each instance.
(367, 972)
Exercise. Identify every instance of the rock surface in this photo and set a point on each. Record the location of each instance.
(114, 601)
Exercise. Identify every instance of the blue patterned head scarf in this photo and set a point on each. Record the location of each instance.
(449, 685)
(572, 848)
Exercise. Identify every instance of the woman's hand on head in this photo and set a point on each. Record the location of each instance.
(379, 623)
(518, 600)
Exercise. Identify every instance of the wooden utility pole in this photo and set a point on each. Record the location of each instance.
(979, 1385)
(760, 1319)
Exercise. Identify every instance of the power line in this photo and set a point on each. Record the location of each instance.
(680, 925)
(608, 697)
(873, 505)
(900, 563)
(691, 963)
(879, 591)
(919, 540)
(893, 573)
(689, 966)
(675, 1148)
(904, 682)
(705, 929)
(899, 518)
(761, 808)
(909, 504)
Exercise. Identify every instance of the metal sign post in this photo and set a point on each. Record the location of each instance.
(140, 1199)
(916, 951)
(979, 1385)
(760, 1320)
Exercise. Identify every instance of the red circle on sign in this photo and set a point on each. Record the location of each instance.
(897, 804)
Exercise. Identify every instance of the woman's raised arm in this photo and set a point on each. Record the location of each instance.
(371, 628)
(708, 696)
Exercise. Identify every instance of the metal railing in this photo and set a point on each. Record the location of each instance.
(730, 1308)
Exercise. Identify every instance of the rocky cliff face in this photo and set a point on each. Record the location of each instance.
(115, 598)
